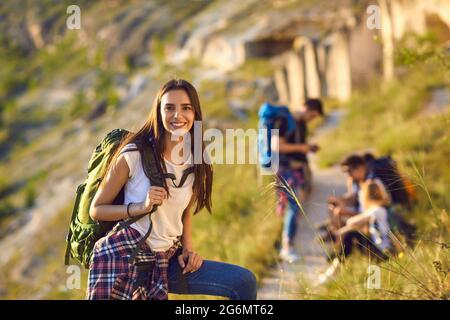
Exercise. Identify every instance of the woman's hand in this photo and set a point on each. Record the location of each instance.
(155, 196)
(337, 211)
(333, 200)
(190, 261)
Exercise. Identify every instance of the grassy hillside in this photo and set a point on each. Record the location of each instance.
(57, 101)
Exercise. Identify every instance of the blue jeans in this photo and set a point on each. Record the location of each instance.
(287, 203)
(215, 279)
(290, 220)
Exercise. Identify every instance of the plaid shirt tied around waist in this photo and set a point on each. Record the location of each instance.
(112, 277)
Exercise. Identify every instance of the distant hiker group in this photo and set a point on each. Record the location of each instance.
(364, 217)
(368, 215)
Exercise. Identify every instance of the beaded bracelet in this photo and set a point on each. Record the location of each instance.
(128, 210)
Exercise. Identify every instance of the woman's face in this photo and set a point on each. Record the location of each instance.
(177, 113)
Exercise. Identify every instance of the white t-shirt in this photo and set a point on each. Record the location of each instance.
(379, 226)
(167, 219)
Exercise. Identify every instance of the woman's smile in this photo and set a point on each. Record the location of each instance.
(178, 124)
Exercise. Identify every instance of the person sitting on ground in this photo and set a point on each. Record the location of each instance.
(369, 231)
(350, 204)
(370, 228)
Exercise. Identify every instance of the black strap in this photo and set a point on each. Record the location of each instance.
(126, 223)
(141, 242)
(153, 171)
(151, 165)
(129, 222)
(186, 173)
(67, 254)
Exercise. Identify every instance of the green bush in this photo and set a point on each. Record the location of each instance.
(30, 195)
(79, 105)
(6, 209)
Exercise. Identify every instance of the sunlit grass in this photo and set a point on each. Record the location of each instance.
(389, 119)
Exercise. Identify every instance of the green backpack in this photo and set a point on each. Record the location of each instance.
(83, 231)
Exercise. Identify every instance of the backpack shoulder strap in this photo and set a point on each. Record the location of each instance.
(290, 121)
(186, 173)
(150, 163)
(153, 171)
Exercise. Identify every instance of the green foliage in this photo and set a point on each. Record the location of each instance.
(418, 49)
(31, 186)
(158, 49)
(255, 67)
(13, 77)
(214, 100)
(30, 196)
(66, 58)
(6, 209)
(79, 106)
(3, 184)
(129, 65)
(105, 88)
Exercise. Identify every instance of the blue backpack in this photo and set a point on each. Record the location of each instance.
(269, 118)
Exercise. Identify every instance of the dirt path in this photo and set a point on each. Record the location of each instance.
(285, 280)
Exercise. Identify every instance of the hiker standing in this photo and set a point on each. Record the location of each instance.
(295, 171)
(167, 261)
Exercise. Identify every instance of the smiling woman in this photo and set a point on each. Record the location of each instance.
(166, 261)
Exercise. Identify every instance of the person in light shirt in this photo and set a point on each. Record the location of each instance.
(371, 227)
(167, 261)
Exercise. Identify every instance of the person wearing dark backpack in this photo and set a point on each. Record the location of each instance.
(350, 204)
(295, 171)
(166, 261)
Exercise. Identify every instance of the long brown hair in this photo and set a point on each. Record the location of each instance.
(153, 127)
(372, 192)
